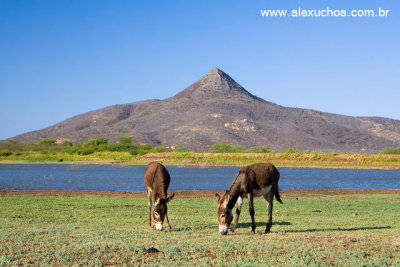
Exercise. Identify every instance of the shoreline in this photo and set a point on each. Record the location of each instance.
(289, 164)
(195, 193)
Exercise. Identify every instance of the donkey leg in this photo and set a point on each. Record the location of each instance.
(238, 209)
(168, 225)
(270, 201)
(149, 207)
(251, 210)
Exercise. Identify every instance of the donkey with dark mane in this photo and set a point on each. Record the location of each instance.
(260, 179)
(156, 178)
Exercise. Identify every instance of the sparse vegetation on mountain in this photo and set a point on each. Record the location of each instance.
(96, 141)
(226, 148)
(181, 149)
(47, 141)
(49, 147)
(143, 154)
(291, 150)
(391, 150)
(217, 109)
(260, 149)
(126, 139)
(5, 153)
(66, 143)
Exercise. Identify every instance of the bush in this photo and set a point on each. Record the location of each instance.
(226, 148)
(101, 140)
(5, 153)
(86, 151)
(260, 149)
(73, 149)
(158, 149)
(181, 149)
(102, 147)
(391, 150)
(66, 143)
(95, 142)
(290, 150)
(140, 150)
(47, 141)
(118, 147)
(127, 139)
(89, 142)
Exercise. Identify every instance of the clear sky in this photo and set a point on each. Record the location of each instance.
(59, 59)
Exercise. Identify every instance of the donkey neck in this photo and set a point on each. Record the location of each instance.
(159, 186)
(233, 197)
(234, 193)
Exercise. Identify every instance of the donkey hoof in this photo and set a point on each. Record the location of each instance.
(253, 232)
(233, 230)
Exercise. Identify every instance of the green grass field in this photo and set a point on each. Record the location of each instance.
(311, 228)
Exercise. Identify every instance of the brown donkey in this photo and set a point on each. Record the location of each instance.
(260, 179)
(156, 178)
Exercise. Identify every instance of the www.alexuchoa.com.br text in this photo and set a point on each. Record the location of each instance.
(327, 12)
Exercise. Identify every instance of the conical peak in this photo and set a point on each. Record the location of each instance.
(215, 84)
(216, 73)
(215, 70)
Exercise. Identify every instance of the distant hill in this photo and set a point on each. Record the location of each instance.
(217, 109)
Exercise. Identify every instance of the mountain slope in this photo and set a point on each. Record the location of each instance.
(217, 109)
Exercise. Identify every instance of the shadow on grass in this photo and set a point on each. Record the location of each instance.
(215, 226)
(339, 229)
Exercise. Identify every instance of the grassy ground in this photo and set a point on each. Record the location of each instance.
(307, 160)
(311, 228)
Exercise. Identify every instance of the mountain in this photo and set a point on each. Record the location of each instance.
(217, 109)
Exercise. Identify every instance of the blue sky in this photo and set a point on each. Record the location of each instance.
(59, 59)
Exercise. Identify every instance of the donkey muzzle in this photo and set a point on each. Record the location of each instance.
(159, 226)
(223, 229)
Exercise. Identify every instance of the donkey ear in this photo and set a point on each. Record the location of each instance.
(170, 198)
(217, 197)
(226, 196)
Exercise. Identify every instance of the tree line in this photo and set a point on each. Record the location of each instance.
(126, 144)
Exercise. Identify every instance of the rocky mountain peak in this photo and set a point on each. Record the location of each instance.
(215, 84)
(217, 109)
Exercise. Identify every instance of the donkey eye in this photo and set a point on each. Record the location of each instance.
(156, 214)
(222, 216)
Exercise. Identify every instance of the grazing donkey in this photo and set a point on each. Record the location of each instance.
(156, 178)
(260, 179)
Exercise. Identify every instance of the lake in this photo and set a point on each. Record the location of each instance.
(131, 178)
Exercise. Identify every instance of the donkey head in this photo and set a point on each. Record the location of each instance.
(224, 214)
(160, 210)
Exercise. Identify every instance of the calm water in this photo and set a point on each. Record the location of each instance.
(130, 178)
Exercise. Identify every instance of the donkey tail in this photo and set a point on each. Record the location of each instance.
(277, 196)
